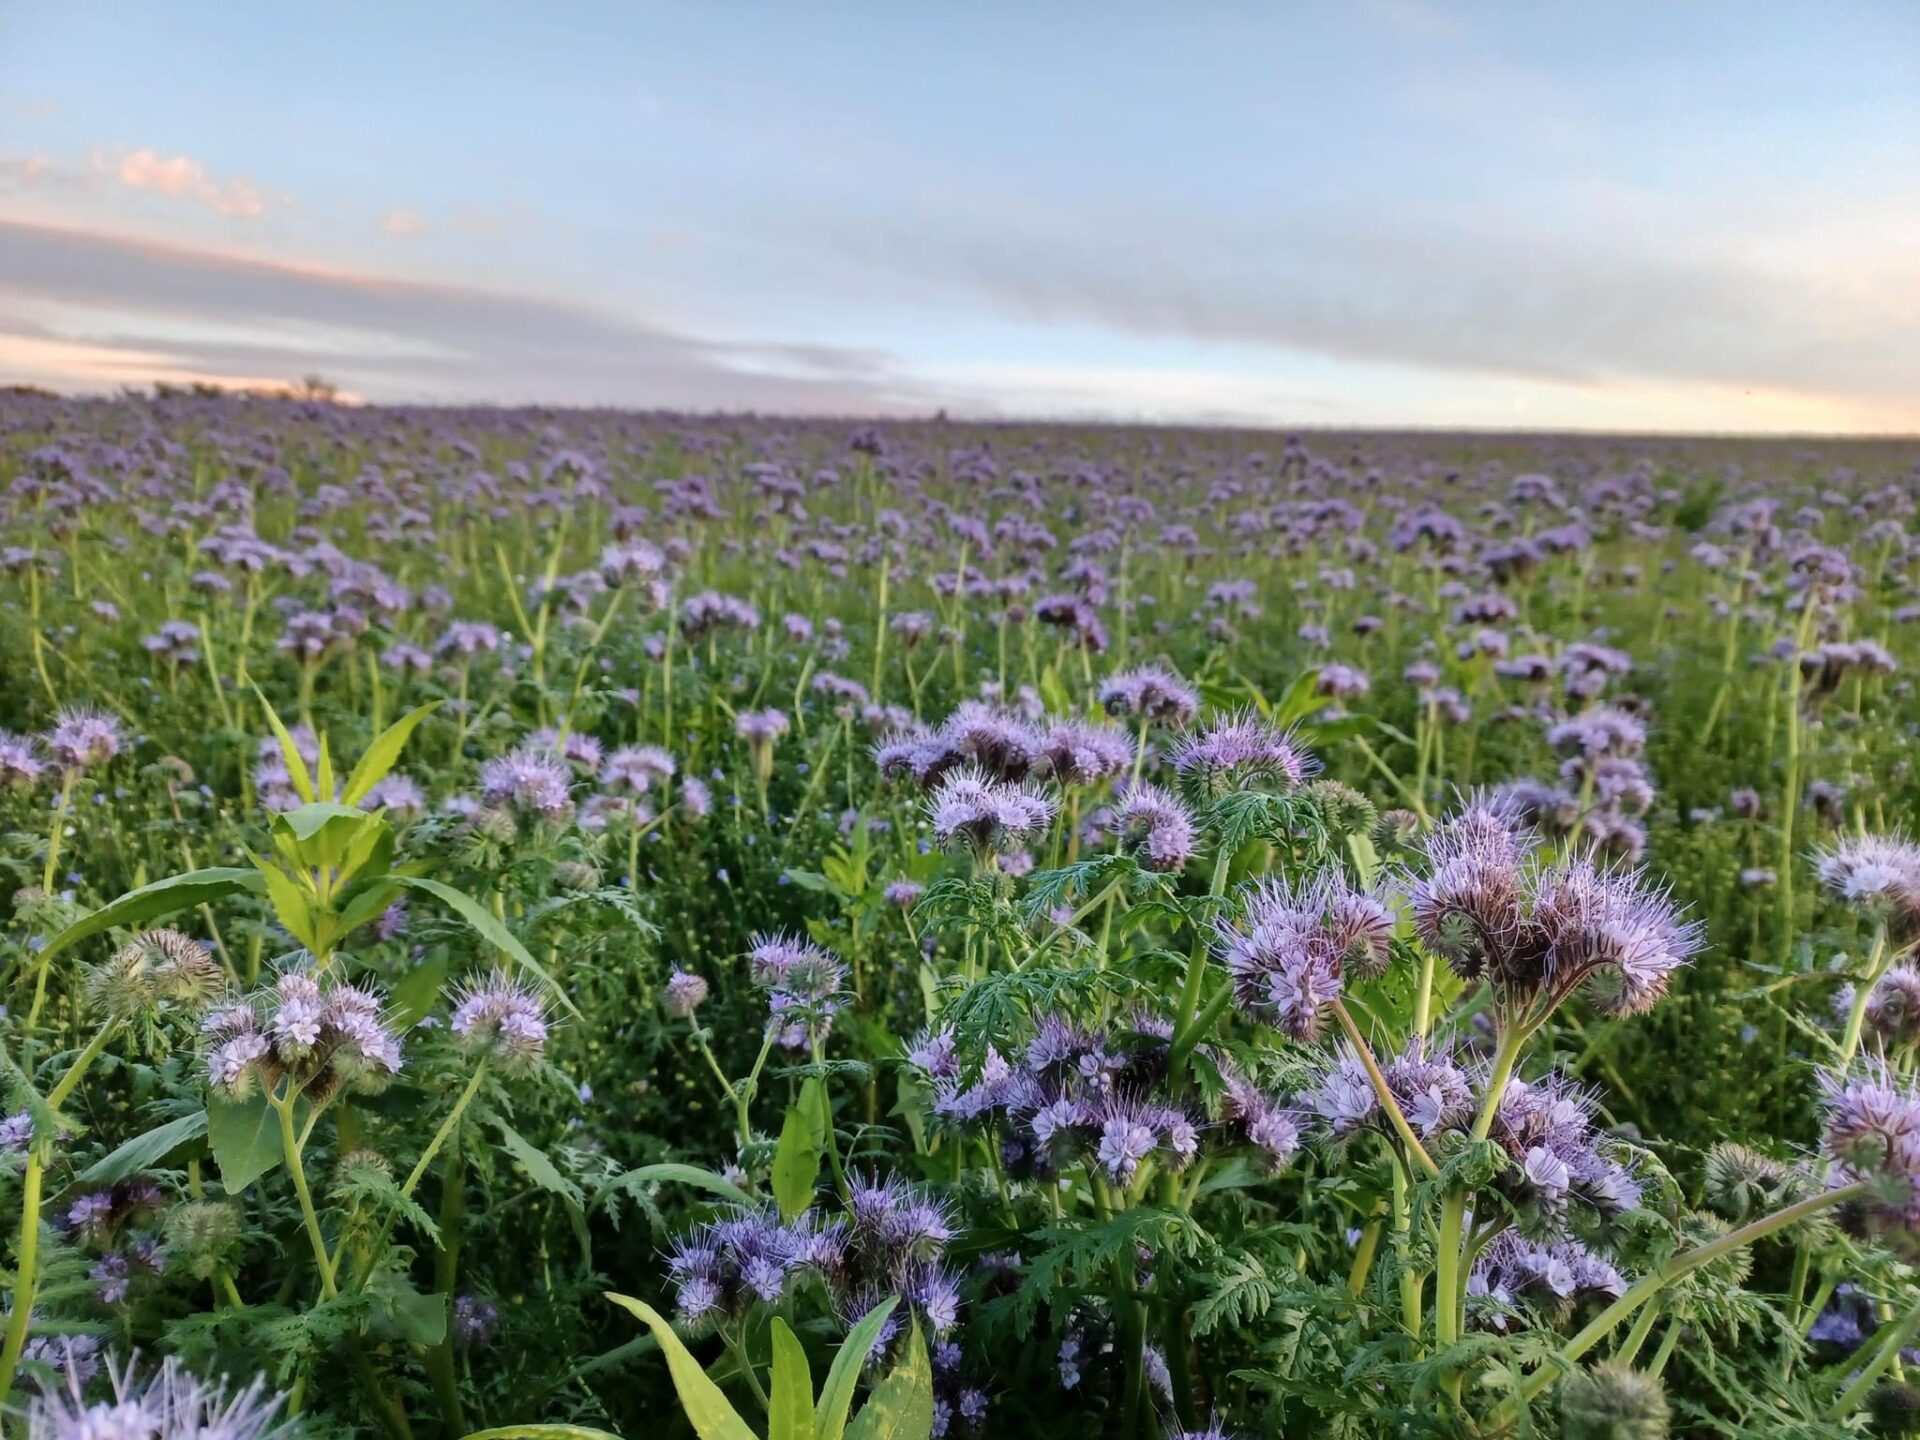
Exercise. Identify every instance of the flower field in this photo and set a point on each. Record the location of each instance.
(555, 923)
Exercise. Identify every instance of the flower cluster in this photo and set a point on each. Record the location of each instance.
(804, 986)
(318, 1037)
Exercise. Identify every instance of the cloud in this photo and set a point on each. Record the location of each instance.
(189, 312)
(1608, 311)
(403, 222)
(179, 178)
(23, 170)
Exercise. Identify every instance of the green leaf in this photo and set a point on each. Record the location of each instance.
(684, 1174)
(290, 752)
(707, 1409)
(836, 1396)
(790, 1414)
(323, 772)
(145, 1151)
(245, 1135)
(540, 1169)
(541, 1432)
(796, 1163)
(901, 1406)
(291, 905)
(383, 754)
(415, 992)
(482, 922)
(417, 1318)
(163, 897)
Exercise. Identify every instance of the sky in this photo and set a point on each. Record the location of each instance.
(1630, 216)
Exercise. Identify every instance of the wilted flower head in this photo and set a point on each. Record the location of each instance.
(503, 1020)
(157, 967)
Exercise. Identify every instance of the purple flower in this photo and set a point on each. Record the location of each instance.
(683, 994)
(83, 739)
(503, 1020)
(531, 780)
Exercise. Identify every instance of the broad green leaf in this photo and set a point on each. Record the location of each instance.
(383, 754)
(163, 897)
(245, 1135)
(796, 1163)
(901, 1406)
(836, 1396)
(418, 1318)
(415, 992)
(323, 772)
(291, 905)
(1053, 690)
(708, 1411)
(296, 762)
(145, 1151)
(481, 920)
(683, 1174)
(790, 1415)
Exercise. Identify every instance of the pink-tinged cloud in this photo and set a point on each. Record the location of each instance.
(403, 222)
(180, 178)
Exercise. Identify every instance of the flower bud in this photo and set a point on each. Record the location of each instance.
(1612, 1402)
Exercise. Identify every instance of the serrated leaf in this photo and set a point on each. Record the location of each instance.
(484, 924)
(901, 1406)
(383, 754)
(707, 1410)
(163, 897)
(145, 1151)
(836, 1395)
(790, 1411)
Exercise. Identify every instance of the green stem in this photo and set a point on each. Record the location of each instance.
(1879, 959)
(445, 1130)
(1382, 1093)
(1681, 1265)
(1889, 1353)
(290, 1147)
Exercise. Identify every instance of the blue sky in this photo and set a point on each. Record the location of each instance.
(1644, 216)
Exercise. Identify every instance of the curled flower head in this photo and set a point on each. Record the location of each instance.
(83, 740)
(990, 815)
(1613, 928)
(1878, 873)
(20, 767)
(1077, 753)
(803, 985)
(683, 994)
(1290, 958)
(503, 1020)
(1152, 693)
(531, 780)
(322, 1037)
(1156, 825)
